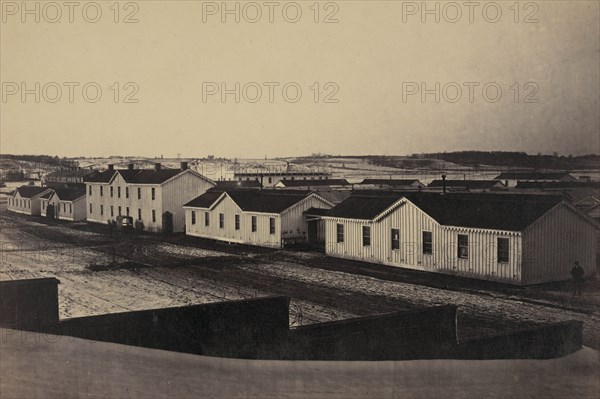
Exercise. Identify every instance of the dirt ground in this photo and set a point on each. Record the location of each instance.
(163, 271)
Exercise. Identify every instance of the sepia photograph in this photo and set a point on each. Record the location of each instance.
(313, 199)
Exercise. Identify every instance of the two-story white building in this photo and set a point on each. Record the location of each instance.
(153, 198)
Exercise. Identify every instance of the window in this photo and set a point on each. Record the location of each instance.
(112, 191)
(395, 239)
(139, 214)
(126, 192)
(221, 221)
(153, 193)
(427, 243)
(127, 211)
(463, 246)
(503, 250)
(153, 216)
(91, 209)
(270, 180)
(119, 210)
(112, 211)
(139, 193)
(101, 210)
(253, 223)
(271, 225)
(101, 190)
(119, 192)
(65, 208)
(206, 219)
(366, 236)
(340, 232)
(193, 217)
(237, 222)
(90, 190)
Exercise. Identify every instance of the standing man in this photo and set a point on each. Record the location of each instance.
(577, 273)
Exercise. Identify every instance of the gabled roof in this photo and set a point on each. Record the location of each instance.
(533, 175)
(69, 194)
(391, 182)
(233, 184)
(554, 185)
(468, 184)
(31, 191)
(136, 176)
(70, 173)
(263, 201)
(509, 212)
(311, 183)
(47, 195)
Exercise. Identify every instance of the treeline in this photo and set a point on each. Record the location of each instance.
(42, 159)
(515, 159)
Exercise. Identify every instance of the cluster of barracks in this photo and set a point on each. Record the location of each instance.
(499, 236)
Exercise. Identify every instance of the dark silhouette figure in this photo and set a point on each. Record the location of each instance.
(577, 273)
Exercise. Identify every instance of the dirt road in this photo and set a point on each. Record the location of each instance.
(175, 271)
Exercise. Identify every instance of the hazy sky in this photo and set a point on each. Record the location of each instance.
(377, 56)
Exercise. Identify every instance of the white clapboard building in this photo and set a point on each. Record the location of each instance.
(27, 199)
(66, 203)
(511, 238)
(153, 198)
(269, 218)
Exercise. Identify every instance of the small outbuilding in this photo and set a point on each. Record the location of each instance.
(27, 199)
(65, 203)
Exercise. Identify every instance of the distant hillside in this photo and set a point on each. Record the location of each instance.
(516, 159)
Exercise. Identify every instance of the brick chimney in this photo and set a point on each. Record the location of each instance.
(111, 167)
(130, 166)
(184, 165)
(157, 166)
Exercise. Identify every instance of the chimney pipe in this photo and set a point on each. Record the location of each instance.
(444, 184)
(157, 166)
(111, 167)
(130, 166)
(184, 165)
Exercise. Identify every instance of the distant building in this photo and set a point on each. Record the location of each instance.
(467, 185)
(387, 184)
(27, 199)
(268, 218)
(313, 184)
(271, 178)
(152, 197)
(511, 179)
(65, 178)
(573, 191)
(66, 203)
(513, 238)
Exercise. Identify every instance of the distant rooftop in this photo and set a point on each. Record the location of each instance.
(265, 201)
(468, 184)
(533, 176)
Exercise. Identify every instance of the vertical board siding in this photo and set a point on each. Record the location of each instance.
(554, 242)
(179, 191)
(228, 233)
(411, 222)
(291, 220)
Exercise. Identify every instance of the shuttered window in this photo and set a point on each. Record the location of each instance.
(340, 232)
(101, 190)
(139, 214)
(153, 193)
(427, 243)
(395, 239)
(101, 210)
(366, 236)
(126, 192)
(193, 217)
(90, 190)
(206, 218)
(127, 211)
(221, 221)
(463, 246)
(237, 222)
(119, 211)
(91, 208)
(503, 250)
(153, 216)
(253, 224)
(112, 211)
(112, 191)
(139, 190)
(119, 192)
